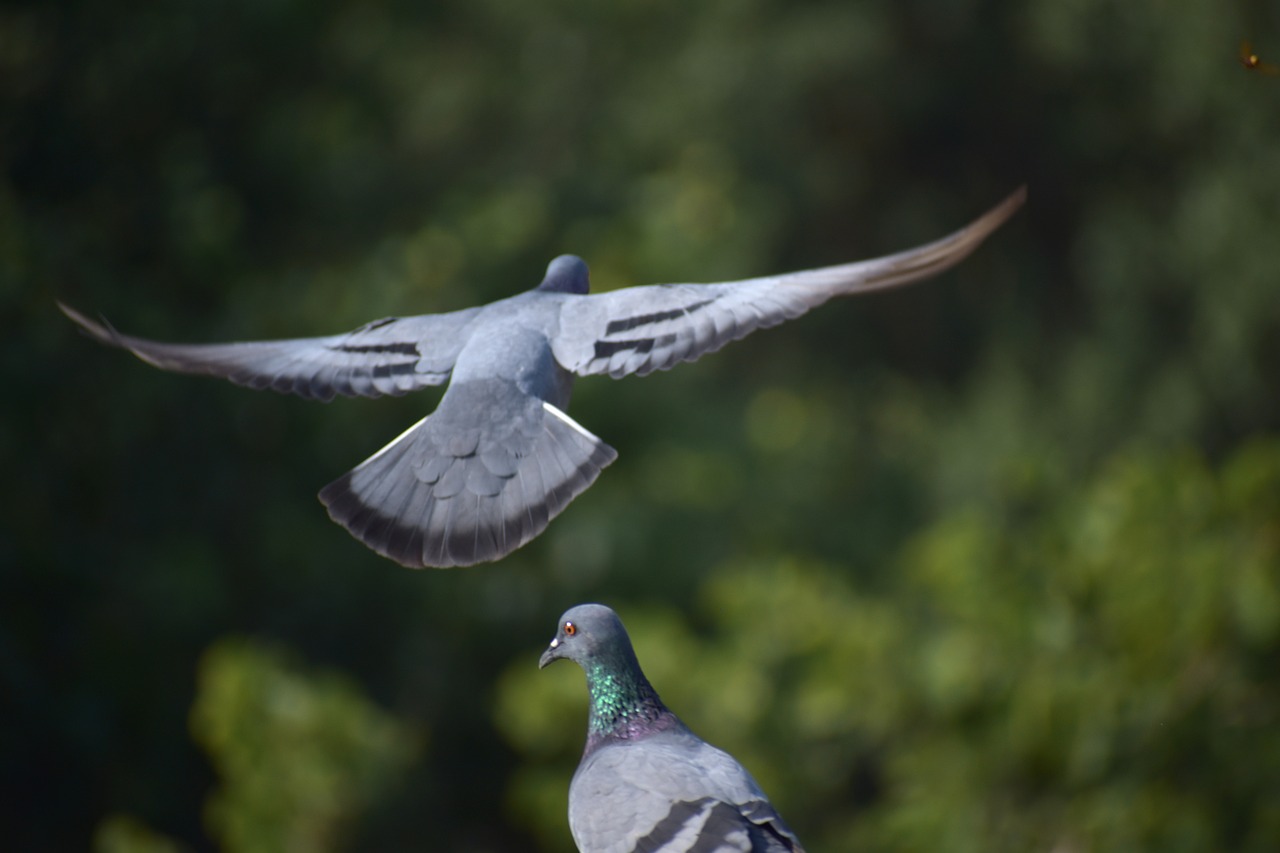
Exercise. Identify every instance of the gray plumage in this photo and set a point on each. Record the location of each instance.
(645, 782)
(499, 458)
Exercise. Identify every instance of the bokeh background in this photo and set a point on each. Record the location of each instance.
(991, 563)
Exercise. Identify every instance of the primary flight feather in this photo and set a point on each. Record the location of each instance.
(499, 458)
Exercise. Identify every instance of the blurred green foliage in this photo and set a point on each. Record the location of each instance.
(992, 557)
(123, 834)
(298, 756)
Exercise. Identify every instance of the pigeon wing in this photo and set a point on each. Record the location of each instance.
(655, 327)
(472, 482)
(390, 356)
(672, 794)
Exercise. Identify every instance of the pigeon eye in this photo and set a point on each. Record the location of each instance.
(570, 629)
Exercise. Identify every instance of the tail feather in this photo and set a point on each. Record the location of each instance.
(431, 498)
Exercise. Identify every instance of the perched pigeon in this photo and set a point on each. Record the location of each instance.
(499, 458)
(645, 781)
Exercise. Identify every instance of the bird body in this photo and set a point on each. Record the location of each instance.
(652, 787)
(499, 458)
(646, 782)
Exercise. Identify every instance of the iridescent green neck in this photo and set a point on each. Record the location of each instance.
(623, 703)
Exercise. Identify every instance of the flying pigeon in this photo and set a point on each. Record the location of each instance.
(499, 458)
(645, 781)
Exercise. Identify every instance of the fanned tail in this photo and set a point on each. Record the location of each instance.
(449, 492)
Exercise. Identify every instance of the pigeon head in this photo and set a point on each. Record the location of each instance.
(566, 274)
(589, 633)
(624, 706)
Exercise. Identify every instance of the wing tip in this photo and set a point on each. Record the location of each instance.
(100, 330)
(104, 333)
(931, 259)
(1000, 214)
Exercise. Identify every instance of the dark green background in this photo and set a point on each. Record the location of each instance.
(991, 563)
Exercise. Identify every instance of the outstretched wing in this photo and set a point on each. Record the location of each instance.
(642, 329)
(391, 356)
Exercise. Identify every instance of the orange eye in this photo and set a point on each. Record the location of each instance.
(570, 629)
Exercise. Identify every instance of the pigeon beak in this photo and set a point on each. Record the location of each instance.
(552, 653)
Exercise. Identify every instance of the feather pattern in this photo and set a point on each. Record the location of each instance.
(385, 357)
(438, 496)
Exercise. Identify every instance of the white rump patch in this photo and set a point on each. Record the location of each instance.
(570, 421)
(399, 438)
